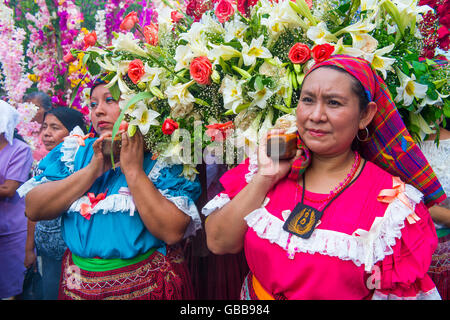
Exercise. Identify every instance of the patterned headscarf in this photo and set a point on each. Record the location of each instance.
(390, 145)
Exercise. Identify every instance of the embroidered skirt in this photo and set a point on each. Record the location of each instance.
(440, 267)
(158, 277)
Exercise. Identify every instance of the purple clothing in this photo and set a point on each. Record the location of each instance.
(15, 164)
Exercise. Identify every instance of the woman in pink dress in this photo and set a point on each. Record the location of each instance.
(347, 217)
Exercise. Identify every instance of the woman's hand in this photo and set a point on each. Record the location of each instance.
(271, 170)
(30, 259)
(99, 164)
(132, 155)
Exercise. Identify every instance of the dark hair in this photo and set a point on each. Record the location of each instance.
(70, 118)
(357, 87)
(42, 97)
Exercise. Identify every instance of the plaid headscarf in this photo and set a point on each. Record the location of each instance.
(390, 145)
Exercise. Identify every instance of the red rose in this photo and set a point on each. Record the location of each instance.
(224, 10)
(136, 70)
(218, 131)
(299, 53)
(322, 52)
(176, 16)
(129, 21)
(169, 126)
(68, 58)
(201, 69)
(90, 39)
(151, 34)
(244, 6)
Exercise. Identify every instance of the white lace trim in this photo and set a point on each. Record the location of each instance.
(123, 202)
(112, 203)
(188, 207)
(215, 203)
(433, 294)
(252, 167)
(28, 185)
(362, 247)
(155, 172)
(70, 147)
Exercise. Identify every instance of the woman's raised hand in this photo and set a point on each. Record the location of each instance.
(132, 154)
(268, 168)
(99, 163)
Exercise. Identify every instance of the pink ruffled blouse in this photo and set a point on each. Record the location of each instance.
(362, 249)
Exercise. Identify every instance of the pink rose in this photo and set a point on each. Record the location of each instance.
(176, 16)
(151, 34)
(136, 70)
(90, 39)
(129, 21)
(201, 69)
(68, 58)
(224, 10)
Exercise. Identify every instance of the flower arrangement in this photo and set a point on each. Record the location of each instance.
(222, 73)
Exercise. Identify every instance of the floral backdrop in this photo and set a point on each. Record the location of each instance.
(234, 66)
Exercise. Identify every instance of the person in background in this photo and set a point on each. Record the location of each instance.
(121, 225)
(439, 156)
(15, 165)
(44, 102)
(45, 235)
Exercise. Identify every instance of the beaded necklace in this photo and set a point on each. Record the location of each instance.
(342, 184)
(303, 219)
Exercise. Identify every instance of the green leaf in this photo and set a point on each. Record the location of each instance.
(447, 109)
(115, 91)
(140, 96)
(419, 67)
(259, 84)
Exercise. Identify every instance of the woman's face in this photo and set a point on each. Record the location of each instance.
(104, 110)
(328, 114)
(39, 117)
(53, 132)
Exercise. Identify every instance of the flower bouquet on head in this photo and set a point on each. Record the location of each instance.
(210, 80)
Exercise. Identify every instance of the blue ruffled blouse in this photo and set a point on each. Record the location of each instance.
(115, 229)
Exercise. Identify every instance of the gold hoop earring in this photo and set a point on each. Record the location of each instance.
(366, 138)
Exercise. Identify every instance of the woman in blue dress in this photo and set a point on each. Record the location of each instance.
(121, 225)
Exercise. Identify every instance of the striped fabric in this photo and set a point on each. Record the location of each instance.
(390, 145)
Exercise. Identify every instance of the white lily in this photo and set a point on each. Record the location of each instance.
(189, 172)
(248, 139)
(144, 117)
(151, 75)
(178, 96)
(429, 102)
(380, 63)
(127, 42)
(183, 56)
(255, 50)
(260, 97)
(369, 5)
(409, 89)
(231, 90)
(340, 48)
(280, 16)
(222, 51)
(320, 34)
(235, 29)
(120, 68)
(266, 125)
